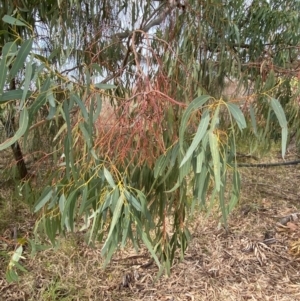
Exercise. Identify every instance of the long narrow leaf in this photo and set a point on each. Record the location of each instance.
(115, 219)
(201, 131)
(98, 108)
(23, 124)
(41, 99)
(109, 178)
(13, 95)
(284, 135)
(3, 73)
(21, 57)
(67, 217)
(276, 106)
(45, 197)
(194, 105)
(81, 106)
(213, 142)
(28, 73)
(12, 21)
(237, 115)
(253, 119)
(87, 137)
(150, 248)
(105, 86)
(9, 49)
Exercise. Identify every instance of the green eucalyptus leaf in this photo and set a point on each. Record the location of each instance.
(87, 137)
(105, 86)
(3, 73)
(201, 131)
(114, 221)
(67, 216)
(237, 115)
(97, 68)
(98, 108)
(41, 99)
(44, 199)
(28, 74)
(81, 106)
(276, 106)
(13, 21)
(132, 200)
(23, 124)
(214, 148)
(253, 119)
(194, 105)
(9, 49)
(21, 57)
(14, 95)
(109, 178)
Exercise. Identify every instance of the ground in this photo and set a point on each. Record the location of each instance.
(257, 258)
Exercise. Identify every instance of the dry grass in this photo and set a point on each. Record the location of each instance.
(257, 259)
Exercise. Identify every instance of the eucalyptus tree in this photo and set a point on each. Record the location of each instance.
(145, 126)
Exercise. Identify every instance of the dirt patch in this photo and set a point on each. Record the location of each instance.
(257, 259)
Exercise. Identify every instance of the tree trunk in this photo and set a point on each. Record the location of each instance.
(10, 131)
(16, 148)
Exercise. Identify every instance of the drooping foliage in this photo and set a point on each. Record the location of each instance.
(145, 100)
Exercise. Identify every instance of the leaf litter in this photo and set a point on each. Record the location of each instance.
(257, 258)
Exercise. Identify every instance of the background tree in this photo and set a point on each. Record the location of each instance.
(135, 169)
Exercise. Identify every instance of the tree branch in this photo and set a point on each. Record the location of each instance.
(145, 28)
(150, 24)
